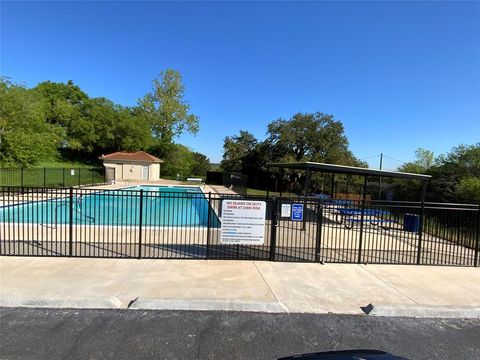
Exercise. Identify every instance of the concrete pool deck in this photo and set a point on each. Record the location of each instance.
(240, 285)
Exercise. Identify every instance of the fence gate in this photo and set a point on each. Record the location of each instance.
(298, 230)
(216, 250)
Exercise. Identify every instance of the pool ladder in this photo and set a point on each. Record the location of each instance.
(77, 208)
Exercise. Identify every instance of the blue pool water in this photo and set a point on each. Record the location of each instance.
(162, 206)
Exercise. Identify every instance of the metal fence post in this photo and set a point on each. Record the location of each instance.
(420, 226)
(273, 229)
(140, 226)
(362, 218)
(318, 240)
(70, 222)
(208, 224)
(420, 233)
(475, 261)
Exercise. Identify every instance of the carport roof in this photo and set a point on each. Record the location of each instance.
(352, 170)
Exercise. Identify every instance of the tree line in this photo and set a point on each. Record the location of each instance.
(316, 137)
(319, 137)
(455, 175)
(59, 121)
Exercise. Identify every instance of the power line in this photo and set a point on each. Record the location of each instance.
(396, 160)
(369, 157)
(385, 156)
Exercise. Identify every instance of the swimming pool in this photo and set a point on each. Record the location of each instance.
(160, 205)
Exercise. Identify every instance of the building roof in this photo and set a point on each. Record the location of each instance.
(352, 170)
(140, 156)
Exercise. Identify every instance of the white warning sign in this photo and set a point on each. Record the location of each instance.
(286, 210)
(243, 222)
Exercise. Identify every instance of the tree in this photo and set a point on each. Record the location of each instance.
(304, 137)
(316, 137)
(469, 189)
(179, 160)
(67, 106)
(452, 173)
(201, 164)
(235, 150)
(424, 158)
(55, 120)
(131, 132)
(166, 110)
(310, 137)
(25, 137)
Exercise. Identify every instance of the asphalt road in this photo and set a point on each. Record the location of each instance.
(128, 334)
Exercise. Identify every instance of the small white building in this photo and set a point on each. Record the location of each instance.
(127, 166)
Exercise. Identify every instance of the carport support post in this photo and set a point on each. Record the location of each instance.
(268, 180)
(273, 229)
(332, 186)
(281, 181)
(364, 197)
(307, 185)
(420, 226)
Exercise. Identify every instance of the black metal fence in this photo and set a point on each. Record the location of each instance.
(51, 177)
(85, 222)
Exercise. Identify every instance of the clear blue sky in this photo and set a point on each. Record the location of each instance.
(400, 75)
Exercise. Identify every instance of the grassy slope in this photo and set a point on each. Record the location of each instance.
(65, 164)
(51, 173)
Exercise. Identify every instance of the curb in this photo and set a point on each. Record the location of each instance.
(207, 305)
(424, 311)
(100, 303)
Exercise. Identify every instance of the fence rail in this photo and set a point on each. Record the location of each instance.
(51, 177)
(84, 222)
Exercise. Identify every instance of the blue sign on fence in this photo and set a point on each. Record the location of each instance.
(297, 212)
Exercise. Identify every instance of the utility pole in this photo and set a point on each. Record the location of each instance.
(380, 178)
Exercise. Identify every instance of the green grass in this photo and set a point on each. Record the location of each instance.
(50, 177)
(65, 164)
(270, 193)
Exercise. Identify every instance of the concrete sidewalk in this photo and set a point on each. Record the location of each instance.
(238, 285)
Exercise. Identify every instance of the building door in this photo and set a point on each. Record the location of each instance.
(145, 172)
(109, 175)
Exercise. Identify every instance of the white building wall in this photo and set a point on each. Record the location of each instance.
(133, 171)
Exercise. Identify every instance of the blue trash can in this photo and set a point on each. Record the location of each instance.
(411, 222)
